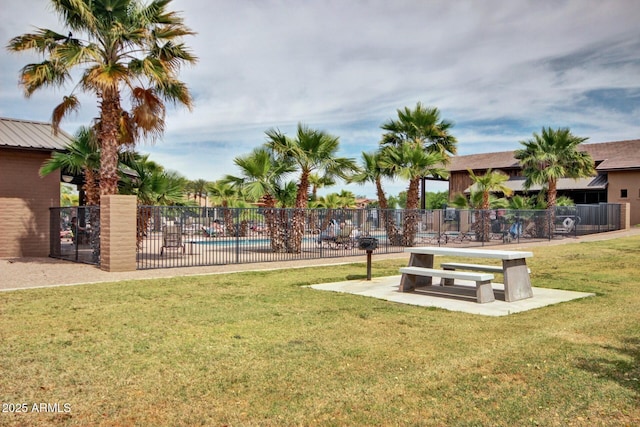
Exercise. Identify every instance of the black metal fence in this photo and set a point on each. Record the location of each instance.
(75, 234)
(170, 236)
(186, 236)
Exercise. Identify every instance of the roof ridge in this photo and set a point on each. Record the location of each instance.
(38, 122)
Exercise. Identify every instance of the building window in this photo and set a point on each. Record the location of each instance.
(623, 193)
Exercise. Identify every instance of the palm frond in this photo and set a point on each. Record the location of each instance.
(42, 41)
(176, 92)
(46, 73)
(77, 14)
(68, 105)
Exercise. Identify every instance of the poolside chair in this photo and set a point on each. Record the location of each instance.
(343, 239)
(172, 238)
(568, 225)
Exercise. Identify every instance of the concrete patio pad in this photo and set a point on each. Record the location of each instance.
(460, 297)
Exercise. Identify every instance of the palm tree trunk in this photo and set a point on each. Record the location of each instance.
(294, 241)
(410, 225)
(244, 228)
(90, 187)
(327, 219)
(484, 227)
(110, 114)
(276, 237)
(387, 217)
(228, 221)
(551, 206)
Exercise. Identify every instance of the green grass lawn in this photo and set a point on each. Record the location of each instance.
(262, 349)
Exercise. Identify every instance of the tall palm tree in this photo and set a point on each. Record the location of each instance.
(310, 151)
(420, 127)
(319, 181)
(260, 179)
(199, 188)
(551, 155)
(372, 171)
(82, 157)
(328, 204)
(423, 127)
(125, 46)
(224, 194)
(411, 162)
(151, 183)
(347, 199)
(259, 172)
(286, 193)
(490, 182)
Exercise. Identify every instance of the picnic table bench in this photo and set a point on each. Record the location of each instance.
(421, 271)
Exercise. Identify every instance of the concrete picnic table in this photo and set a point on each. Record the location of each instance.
(517, 283)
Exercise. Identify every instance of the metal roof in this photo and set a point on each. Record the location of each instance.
(31, 135)
(606, 155)
(516, 184)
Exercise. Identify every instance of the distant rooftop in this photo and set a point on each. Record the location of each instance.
(607, 156)
(31, 135)
(516, 184)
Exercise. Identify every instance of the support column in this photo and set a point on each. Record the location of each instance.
(118, 233)
(625, 216)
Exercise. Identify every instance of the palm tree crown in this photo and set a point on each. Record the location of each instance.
(491, 181)
(260, 175)
(411, 162)
(125, 46)
(82, 157)
(423, 127)
(371, 171)
(552, 155)
(310, 151)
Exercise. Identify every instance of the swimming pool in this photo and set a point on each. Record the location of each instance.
(243, 241)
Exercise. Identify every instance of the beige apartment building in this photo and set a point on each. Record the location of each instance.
(25, 196)
(617, 180)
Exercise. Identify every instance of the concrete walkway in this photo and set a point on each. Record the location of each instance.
(460, 297)
(25, 273)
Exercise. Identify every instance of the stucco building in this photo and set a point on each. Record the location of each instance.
(25, 196)
(617, 180)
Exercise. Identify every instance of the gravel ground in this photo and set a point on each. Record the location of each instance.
(24, 273)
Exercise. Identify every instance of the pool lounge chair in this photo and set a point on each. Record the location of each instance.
(567, 227)
(172, 238)
(343, 239)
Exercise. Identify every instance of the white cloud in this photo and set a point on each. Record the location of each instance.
(500, 70)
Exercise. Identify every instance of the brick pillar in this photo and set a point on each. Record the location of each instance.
(625, 216)
(118, 233)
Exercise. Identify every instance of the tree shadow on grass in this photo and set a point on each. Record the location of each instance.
(625, 372)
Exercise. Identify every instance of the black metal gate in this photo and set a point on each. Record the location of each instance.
(75, 234)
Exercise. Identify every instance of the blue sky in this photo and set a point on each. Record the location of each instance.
(500, 70)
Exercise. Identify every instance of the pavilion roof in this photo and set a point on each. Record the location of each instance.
(31, 135)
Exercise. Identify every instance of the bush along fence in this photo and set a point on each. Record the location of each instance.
(178, 236)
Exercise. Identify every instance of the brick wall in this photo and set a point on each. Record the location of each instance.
(25, 199)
